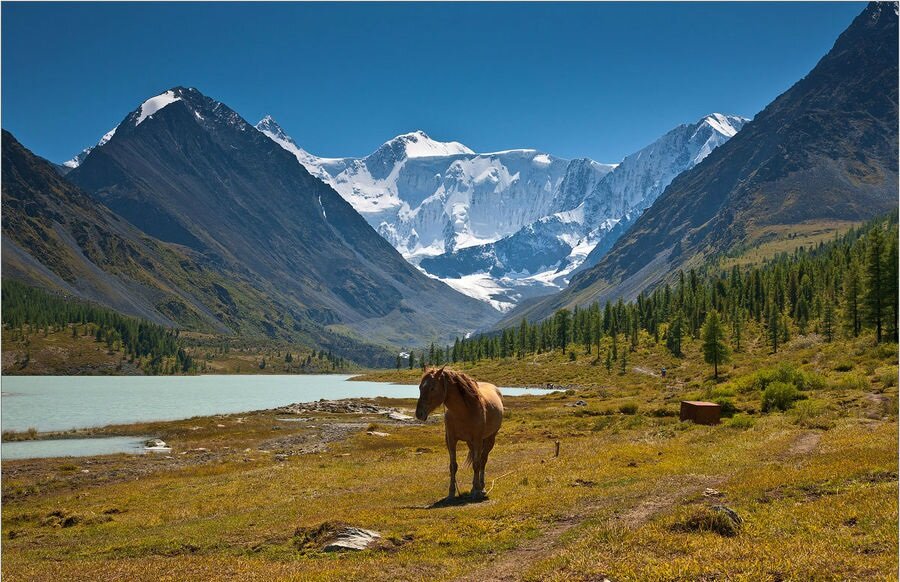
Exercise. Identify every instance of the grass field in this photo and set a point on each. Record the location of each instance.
(632, 495)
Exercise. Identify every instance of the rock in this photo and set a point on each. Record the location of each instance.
(157, 445)
(220, 426)
(352, 539)
(377, 433)
(394, 415)
(580, 403)
(280, 457)
(709, 492)
(337, 537)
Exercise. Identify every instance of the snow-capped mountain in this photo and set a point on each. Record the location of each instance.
(589, 216)
(501, 226)
(507, 225)
(429, 197)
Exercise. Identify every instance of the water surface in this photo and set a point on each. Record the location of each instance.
(54, 403)
(72, 447)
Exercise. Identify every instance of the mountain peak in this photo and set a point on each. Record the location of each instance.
(417, 144)
(270, 127)
(727, 125)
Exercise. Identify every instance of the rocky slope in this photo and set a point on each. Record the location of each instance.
(824, 150)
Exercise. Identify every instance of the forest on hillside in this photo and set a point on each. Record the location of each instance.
(839, 288)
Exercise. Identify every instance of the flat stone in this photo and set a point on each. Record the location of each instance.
(351, 539)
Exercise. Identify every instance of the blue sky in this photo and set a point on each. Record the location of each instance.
(595, 80)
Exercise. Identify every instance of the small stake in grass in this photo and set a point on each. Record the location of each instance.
(557, 449)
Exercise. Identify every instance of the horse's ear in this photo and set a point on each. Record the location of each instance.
(442, 369)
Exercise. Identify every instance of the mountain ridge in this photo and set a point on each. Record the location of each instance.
(188, 170)
(825, 149)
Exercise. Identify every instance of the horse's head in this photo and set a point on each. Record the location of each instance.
(432, 393)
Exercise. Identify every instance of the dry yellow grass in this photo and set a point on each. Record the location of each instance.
(816, 486)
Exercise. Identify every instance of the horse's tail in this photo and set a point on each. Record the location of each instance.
(470, 459)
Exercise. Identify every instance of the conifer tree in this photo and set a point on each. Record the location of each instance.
(675, 334)
(874, 297)
(715, 351)
(828, 321)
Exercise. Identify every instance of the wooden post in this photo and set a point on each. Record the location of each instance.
(557, 449)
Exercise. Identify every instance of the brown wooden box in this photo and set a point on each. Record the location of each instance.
(700, 412)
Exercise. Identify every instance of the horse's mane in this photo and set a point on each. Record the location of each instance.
(468, 387)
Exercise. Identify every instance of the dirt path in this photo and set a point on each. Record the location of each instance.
(646, 371)
(666, 494)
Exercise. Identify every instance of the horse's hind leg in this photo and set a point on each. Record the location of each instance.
(488, 445)
(451, 448)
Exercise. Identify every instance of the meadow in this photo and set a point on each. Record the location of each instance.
(633, 495)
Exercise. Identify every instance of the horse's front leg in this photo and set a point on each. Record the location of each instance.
(451, 449)
(475, 449)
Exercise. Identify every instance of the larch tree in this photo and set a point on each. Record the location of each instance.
(715, 350)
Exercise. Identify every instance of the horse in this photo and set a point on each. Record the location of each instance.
(474, 412)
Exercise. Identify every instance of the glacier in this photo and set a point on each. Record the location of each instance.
(510, 225)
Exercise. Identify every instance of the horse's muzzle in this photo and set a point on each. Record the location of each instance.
(421, 415)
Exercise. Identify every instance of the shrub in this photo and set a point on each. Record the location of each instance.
(727, 407)
(784, 373)
(705, 519)
(887, 376)
(662, 412)
(741, 421)
(843, 366)
(808, 413)
(853, 382)
(779, 396)
(628, 408)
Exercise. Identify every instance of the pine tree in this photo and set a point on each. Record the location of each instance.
(892, 278)
(828, 321)
(715, 351)
(874, 296)
(737, 328)
(675, 334)
(774, 327)
(852, 292)
(562, 320)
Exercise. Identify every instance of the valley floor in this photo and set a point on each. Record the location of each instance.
(631, 495)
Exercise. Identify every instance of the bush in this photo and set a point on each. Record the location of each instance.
(844, 366)
(808, 413)
(784, 373)
(663, 412)
(727, 407)
(741, 421)
(779, 396)
(887, 376)
(628, 408)
(705, 519)
(853, 382)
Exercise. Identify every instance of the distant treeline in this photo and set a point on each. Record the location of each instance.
(842, 287)
(157, 348)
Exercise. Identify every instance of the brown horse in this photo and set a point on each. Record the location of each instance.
(474, 413)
